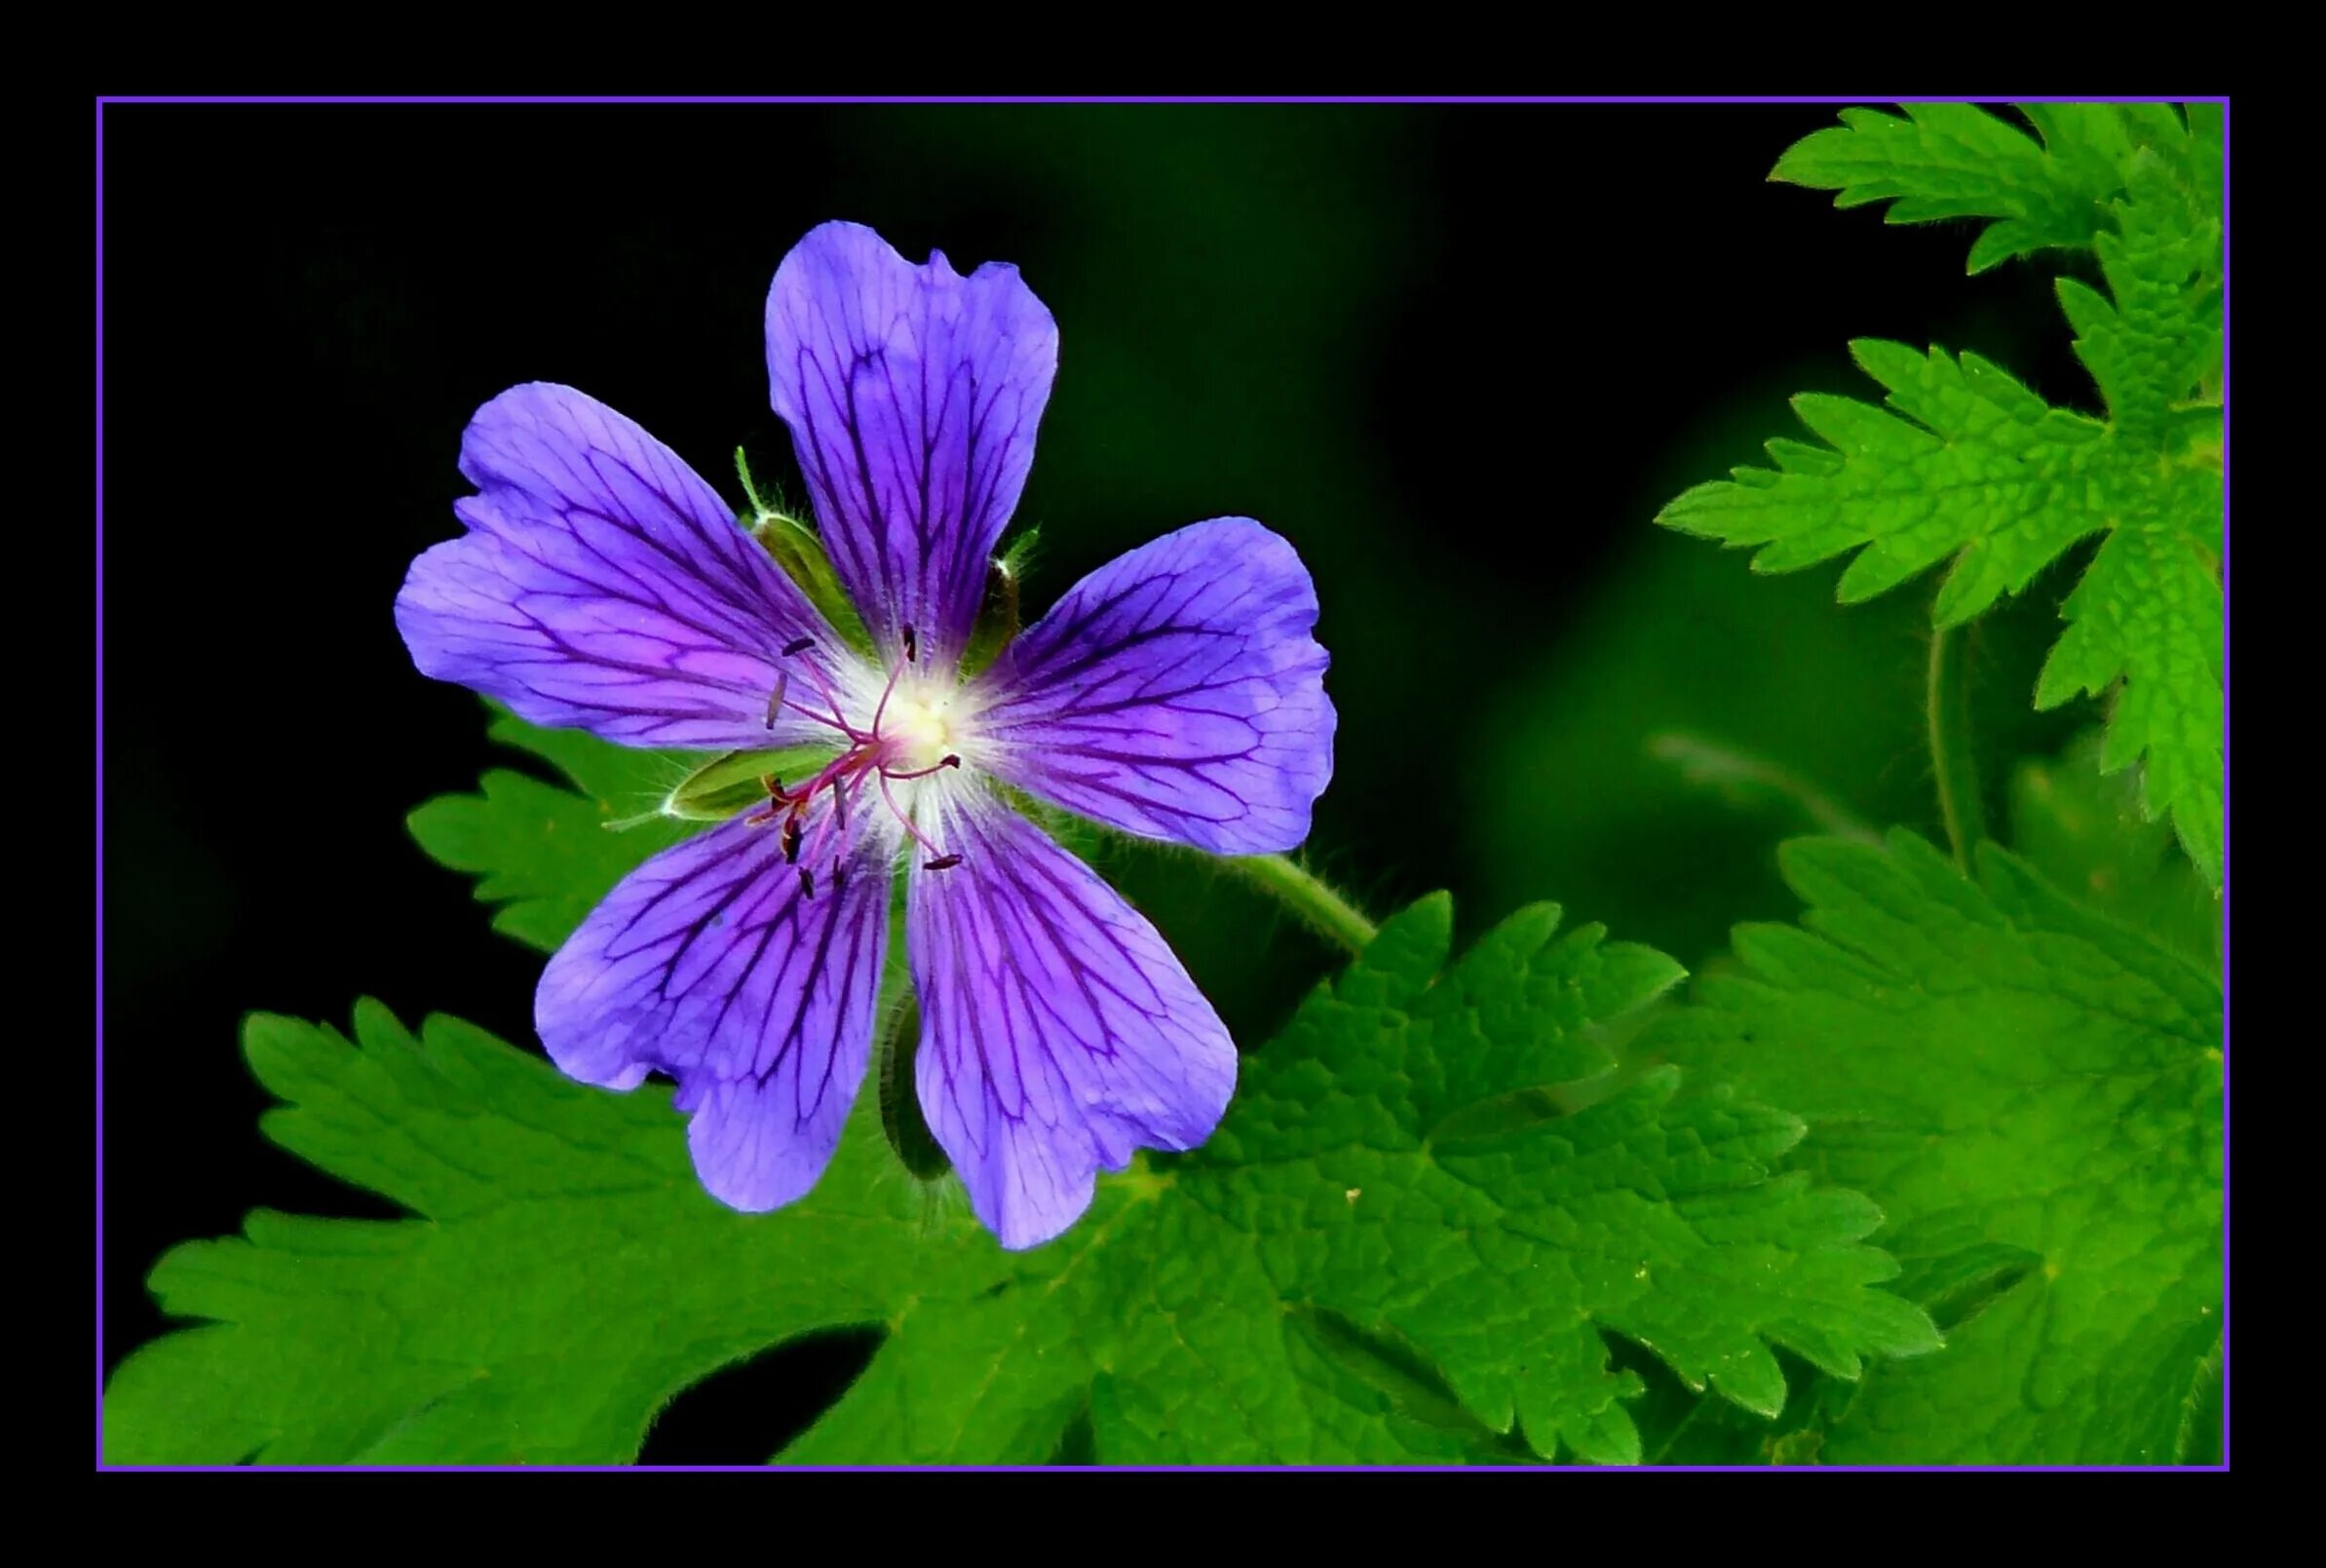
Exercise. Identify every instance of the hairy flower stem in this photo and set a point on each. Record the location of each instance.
(1305, 895)
(1708, 762)
(1951, 762)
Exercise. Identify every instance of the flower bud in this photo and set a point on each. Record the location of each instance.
(900, 1103)
(998, 613)
(796, 549)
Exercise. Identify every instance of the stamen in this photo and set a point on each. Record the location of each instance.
(856, 788)
(897, 811)
(912, 646)
(841, 724)
(823, 689)
(838, 820)
(890, 690)
(791, 842)
(798, 646)
(776, 802)
(807, 883)
(775, 700)
(938, 766)
(839, 767)
(943, 863)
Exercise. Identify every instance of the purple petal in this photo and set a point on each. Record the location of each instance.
(912, 394)
(1059, 1031)
(603, 586)
(1174, 693)
(708, 962)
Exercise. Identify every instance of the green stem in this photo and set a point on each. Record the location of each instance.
(1307, 897)
(1950, 761)
(1708, 762)
(1671, 1438)
(742, 471)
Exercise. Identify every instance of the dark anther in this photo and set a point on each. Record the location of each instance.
(943, 863)
(798, 646)
(838, 882)
(775, 700)
(950, 761)
(791, 842)
(771, 785)
(912, 646)
(807, 883)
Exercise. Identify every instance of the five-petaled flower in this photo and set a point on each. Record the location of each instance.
(1175, 694)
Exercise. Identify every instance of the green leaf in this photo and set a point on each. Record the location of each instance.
(1394, 1249)
(2148, 610)
(546, 855)
(564, 1274)
(2152, 343)
(2033, 1094)
(1963, 462)
(1968, 462)
(1940, 160)
(2083, 831)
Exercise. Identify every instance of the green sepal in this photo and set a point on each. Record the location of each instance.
(998, 618)
(794, 546)
(733, 781)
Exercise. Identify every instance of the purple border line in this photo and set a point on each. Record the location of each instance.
(1366, 1469)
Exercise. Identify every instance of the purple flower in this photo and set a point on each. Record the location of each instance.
(1175, 694)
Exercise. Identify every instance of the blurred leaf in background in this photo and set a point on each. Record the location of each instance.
(2085, 830)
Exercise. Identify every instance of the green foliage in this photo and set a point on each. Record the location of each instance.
(1964, 462)
(2083, 829)
(1399, 1246)
(546, 855)
(2033, 1095)
(1645, 772)
(1390, 1172)
(1955, 160)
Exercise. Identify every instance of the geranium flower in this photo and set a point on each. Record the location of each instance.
(1175, 694)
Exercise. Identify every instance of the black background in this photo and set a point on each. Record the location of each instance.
(1458, 354)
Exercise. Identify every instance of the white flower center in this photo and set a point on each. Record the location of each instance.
(920, 724)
